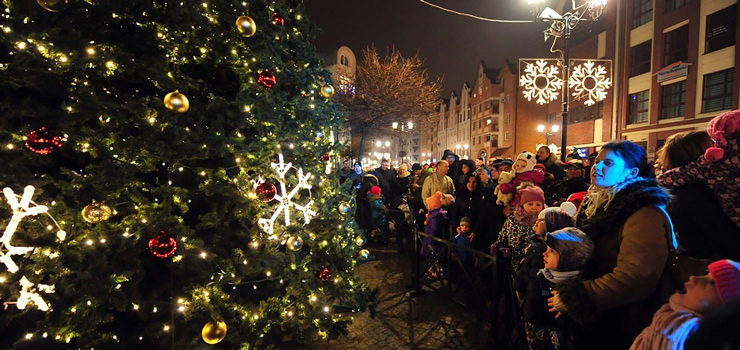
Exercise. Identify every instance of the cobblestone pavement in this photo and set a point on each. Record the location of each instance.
(427, 321)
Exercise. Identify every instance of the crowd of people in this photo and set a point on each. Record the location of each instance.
(594, 244)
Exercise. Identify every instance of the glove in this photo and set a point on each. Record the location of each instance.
(505, 252)
(557, 303)
(494, 249)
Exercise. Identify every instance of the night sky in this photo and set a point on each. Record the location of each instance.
(451, 45)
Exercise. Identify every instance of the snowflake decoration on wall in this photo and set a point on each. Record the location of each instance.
(590, 82)
(541, 81)
(285, 198)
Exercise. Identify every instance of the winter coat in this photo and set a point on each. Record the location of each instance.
(616, 298)
(526, 282)
(437, 226)
(466, 257)
(702, 229)
(436, 182)
(561, 190)
(671, 326)
(489, 221)
(554, 166)
(515, 236)
(377, 212)
(534, 176)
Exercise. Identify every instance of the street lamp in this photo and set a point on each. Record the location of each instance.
(404, 129)
(561, 26)
(554, 128)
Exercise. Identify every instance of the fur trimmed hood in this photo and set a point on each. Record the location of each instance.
(626, 202)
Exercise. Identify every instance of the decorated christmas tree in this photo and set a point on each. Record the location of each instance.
(168, 178)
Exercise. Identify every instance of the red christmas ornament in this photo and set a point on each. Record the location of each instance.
(277, 19)
(324, 273)
(266, 191)
(43, 142)
(267, 79)
(325, 157)
(163, 246)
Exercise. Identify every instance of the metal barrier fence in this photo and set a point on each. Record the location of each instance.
(483, 288)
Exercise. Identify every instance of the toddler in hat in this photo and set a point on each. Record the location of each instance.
(523, 172)
(517, 229)
(463, 238)
(676, 320)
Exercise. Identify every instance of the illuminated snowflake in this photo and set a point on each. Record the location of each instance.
(590, 82)
(541, 81)
(286, 198)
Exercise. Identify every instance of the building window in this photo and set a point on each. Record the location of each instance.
(344, 60)
(507, 136)
(721, 27)
(672, 5)
(641, 58)
(717, 91)
(479, 139)
(676, 45)
(673, 100)
(585, 113)
(639, 104)
(643, 12)
(488, 137)
(507, 119)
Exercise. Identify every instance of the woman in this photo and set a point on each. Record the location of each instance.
(703, 230)
(616, 297)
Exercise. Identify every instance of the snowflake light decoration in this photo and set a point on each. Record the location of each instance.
(285, 198)
(590, 82)
(30, 293)
(541, 81)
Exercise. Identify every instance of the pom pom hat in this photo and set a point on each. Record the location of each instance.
(374, 193)
(435, 201)
(529, 158)
(557, 218)
(726, 274)
(719, 128)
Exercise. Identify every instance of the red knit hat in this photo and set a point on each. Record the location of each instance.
(726, 274)
(531, 194)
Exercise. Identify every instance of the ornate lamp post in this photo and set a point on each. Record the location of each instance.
(543, 82)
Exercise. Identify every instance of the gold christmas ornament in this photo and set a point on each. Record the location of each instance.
(364, 253)
(246, 26)
(327, 90)
(53, 5)
(360, 240)
(96, 212)
(295, 243)
(176, 102)
(214, 332)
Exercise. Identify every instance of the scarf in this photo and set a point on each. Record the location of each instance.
(524, 218)
(558, 276)
(600, 198)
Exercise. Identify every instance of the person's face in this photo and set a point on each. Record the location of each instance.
(539, 227)
(358, 168)
(494, 174)
(472, 183)
(417, 172)
(574, 172)
(384, 165)
(543, 153)
(552, 258)
(465, 169)
(610, 169)
(443, 168)
(484, 176)
(450, 159)
(700, 295)
(520, 165)
(464, 228)
(478, 163)
(504, 168)
(533, 207)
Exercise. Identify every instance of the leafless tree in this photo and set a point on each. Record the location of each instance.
(390, 88)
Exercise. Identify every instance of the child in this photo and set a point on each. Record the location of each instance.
(523, 172)
(676, 320)
(525, 283)
(436, 225)
(568, 250)
(377, 214)
(517, 228)
(463, 238)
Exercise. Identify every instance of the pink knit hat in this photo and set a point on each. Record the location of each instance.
(531, 194)
(720, 128)
(726, 274)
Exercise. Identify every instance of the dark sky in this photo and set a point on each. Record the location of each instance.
(451, 45)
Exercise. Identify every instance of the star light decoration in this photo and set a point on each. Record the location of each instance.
(7, 250)
(285, 198)
(541, 81)
(589, 81)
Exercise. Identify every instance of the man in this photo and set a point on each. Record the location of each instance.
(438, 181)
(455, 171)
(388, 177)
(356, 175)
(551, 163)
(575, 182)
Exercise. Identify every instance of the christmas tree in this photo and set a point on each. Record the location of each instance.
(167, 175)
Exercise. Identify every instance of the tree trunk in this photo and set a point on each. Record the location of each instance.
(362, 145)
